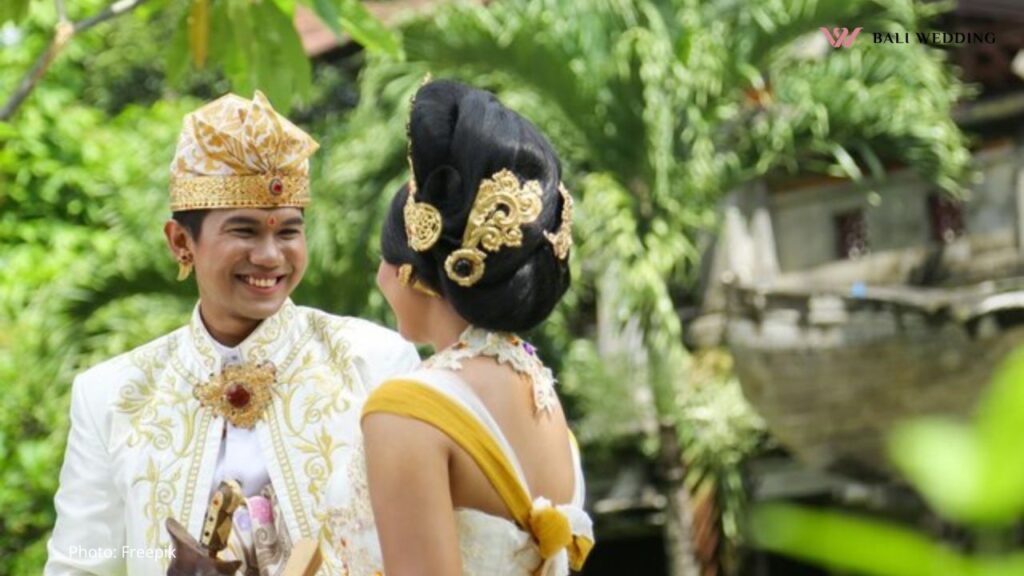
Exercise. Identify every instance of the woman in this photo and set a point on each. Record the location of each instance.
(471, 467)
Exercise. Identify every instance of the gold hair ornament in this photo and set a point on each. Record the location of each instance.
(422, 221)
(501, 207)
(561, 240)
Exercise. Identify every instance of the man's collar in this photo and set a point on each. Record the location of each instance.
(262, 344)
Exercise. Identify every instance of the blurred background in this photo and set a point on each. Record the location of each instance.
(789, 345)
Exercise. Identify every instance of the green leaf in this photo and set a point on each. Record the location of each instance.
(850, 543)
(199, 32)
(237, 50)
(177, 56)
(971, 474)
(284, 71)
(13, 10)
(364, 28)
(286, 6)
(944, 461)
(1000, 426)
(328, 13)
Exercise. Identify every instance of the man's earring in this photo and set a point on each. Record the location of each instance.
(184, 266)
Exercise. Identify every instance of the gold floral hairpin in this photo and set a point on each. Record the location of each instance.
(561, 240)
(422, 221)
(502, 205)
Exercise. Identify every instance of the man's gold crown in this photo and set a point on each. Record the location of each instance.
(238, 153)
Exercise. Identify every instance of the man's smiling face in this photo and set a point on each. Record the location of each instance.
(247, 262)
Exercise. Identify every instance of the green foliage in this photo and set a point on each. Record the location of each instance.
(352, 17)
(972, 474)
(83, 278)
(13, 10)
(254, 44)
(658, 109)
(651, 104)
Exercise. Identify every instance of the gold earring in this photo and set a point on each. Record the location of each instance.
(404, 274)
(405, 278)
(184, 266)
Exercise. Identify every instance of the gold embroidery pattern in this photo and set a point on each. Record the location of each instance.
(159, 411)
(162, 494)
(199, 340)
(193, 471)
(171, 434)
(292, 486)
(271, 332)
(300, 424)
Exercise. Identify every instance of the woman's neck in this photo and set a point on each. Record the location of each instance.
(446, 329)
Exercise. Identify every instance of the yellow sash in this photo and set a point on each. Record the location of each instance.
(548, 526)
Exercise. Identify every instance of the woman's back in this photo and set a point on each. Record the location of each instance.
(539, 440)
(499, 528)
(475, 248)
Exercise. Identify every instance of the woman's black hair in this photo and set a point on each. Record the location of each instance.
(461, 136)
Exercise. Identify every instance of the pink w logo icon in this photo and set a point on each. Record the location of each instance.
(839, 38)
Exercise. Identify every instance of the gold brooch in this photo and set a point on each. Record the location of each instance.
(240, 393)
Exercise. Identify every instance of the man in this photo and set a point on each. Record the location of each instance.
(254, 389)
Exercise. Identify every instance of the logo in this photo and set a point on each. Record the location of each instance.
(840, 38)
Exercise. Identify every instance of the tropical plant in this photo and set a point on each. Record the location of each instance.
(254, 43)
(659, 108)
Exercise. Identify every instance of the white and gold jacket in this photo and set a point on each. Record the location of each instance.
(141, 448)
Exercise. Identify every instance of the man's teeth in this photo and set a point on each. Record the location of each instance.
(261, 282)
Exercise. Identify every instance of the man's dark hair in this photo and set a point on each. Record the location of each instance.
(192, 220)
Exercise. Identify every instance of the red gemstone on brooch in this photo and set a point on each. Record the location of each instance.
(237, 395)
(276, 187)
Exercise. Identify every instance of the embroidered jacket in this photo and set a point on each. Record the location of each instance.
(142, 448)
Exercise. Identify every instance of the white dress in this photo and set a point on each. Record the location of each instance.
(489, 545)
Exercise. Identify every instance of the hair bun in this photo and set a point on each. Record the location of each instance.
(463, 141)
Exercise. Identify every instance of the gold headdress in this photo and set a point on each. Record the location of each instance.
(501, 207)
(238, 153)
(422, 221)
